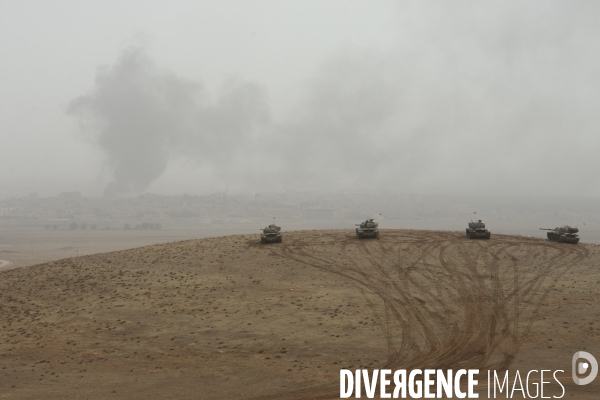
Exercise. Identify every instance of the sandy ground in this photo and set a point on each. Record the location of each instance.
(228, 318)
(26, 242)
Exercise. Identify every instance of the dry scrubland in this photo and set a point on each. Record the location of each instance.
(229, 318)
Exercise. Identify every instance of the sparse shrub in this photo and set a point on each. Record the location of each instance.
(127, 227)
(47, 226)
(93, 226)
(83, 226)
(54, 227)
(73, 226)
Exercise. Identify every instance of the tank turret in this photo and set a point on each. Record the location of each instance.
(477, 225)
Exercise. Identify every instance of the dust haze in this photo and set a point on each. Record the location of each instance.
(496, 98)
(144, 116)
(144, 146)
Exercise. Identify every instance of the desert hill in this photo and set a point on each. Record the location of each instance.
(228, 318)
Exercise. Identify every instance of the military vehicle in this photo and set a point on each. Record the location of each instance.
(563, 234)
(271, 233)
(477, 230)
(366, 229)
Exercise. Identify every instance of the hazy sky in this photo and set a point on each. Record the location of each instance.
(181, 97)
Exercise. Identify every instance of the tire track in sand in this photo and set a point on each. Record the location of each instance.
(448, 302)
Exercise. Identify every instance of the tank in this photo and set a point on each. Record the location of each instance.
(563, 234)
(476, 230)
(271, 233)
(367, 229)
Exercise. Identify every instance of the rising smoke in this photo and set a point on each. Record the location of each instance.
(142, 117)
(475, 99)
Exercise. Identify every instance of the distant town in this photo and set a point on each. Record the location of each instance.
(144, 211)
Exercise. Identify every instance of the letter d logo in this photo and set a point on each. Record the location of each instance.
(583, 367)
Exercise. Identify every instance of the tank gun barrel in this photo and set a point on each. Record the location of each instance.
(546, 229)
